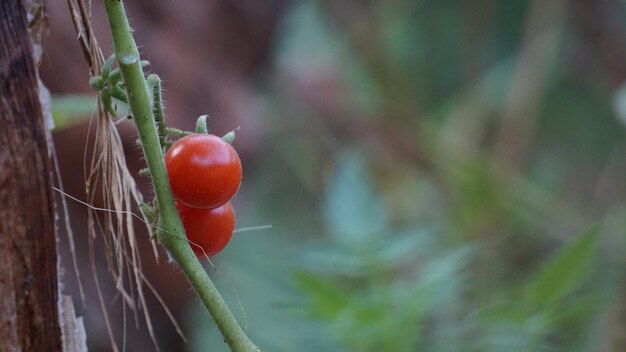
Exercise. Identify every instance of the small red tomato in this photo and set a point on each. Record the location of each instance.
(208, 230)
(204, 171)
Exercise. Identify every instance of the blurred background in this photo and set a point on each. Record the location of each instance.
(439, 175)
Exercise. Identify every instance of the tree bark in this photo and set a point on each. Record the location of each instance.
(29, 319)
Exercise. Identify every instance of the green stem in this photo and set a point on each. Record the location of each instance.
(170, 131)
(171, 233)
(154, 85)
(118, 93)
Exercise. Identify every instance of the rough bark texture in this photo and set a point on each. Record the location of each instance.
(28, 274)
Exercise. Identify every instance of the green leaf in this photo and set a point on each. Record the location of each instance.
(69, 109)
(504, 313)
(564, 273)
(327, 299)
(353, 212)
(579, 309)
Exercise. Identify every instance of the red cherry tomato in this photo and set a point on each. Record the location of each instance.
(208, 230)
(204, 171)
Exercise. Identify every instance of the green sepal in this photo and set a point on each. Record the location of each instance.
(201, 126)
(105, 96)
(230, 136)
(96, 83)
(106, 68)
(118, 93)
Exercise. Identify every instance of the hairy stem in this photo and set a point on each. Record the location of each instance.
(170, 131)
(154, 85)
(171, 233)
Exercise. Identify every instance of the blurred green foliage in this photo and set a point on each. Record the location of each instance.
(69, 109)
(433, 173)
(403, 292)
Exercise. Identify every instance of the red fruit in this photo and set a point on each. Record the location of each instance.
(208, 230)
(204, 171)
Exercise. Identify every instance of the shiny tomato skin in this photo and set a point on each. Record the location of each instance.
(204, 171)
(208, 230)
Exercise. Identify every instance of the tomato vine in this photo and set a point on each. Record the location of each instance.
(170, 232)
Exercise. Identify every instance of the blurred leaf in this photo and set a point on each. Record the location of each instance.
(580, 120)
(507, 312)
(352, 211)
(327, 299)
(312, 48)
(619, 103)
(334, 261)
(388, 253)
(441, 279)
(307, 43)
(580, 309)
(404, 247)
(68, 109)
(478, 196)
(508, 337)
(564, 273)
(379, 319)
